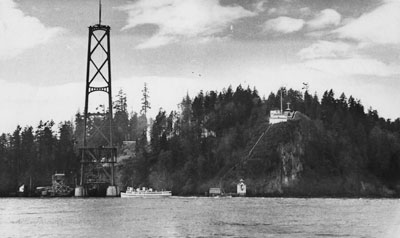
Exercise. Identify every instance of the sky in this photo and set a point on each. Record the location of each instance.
(180, 47)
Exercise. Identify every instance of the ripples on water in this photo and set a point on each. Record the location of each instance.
(199, 217)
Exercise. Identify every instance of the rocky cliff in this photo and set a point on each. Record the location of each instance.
(294, 163)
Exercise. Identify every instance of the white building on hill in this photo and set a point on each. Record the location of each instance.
(277, 116)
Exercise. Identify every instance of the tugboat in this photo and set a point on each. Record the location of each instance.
(144, 192)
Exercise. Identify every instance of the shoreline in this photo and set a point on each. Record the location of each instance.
(231, 196)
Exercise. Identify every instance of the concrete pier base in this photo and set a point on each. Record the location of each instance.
(112, 191)
(80, 191)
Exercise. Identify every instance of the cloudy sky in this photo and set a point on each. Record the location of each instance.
(184, 46)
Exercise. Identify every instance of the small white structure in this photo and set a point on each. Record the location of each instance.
(21, 188)
(241, 188)
(207, 133)
(277, 116)
(214, 192)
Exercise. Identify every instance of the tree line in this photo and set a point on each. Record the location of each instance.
(204, 143)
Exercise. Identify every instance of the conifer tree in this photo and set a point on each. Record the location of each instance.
(16, 154)
(28, 150)
(145, 100)
(121, 118)
(66, 159)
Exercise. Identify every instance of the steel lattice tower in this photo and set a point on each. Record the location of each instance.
(98, 155)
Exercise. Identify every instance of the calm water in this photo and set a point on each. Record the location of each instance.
(199, 217)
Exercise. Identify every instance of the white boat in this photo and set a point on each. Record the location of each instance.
(144, 192)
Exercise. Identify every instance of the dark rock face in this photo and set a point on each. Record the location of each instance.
(291, 165)
(294, 170)
(287, 173)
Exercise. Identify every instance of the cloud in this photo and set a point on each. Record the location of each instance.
(379, 26)
(341, 57)
(284, 25)
(156, 41)
(269, 78)
(181, 19)
(19, 32)
(326, 18)
(356, 66)
(260, 6)
(344, 59)
(33, 103)
(272, 10)
(325, 49)
(305, 11)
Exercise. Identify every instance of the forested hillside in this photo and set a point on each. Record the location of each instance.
(334, 147)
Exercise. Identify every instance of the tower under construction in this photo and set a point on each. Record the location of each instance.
(98, 155)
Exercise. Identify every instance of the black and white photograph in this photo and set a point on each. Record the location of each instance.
(200, 118)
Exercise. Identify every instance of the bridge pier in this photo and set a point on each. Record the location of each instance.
(112, 191)
(80, 191)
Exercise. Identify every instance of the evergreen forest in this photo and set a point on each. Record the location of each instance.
(334, 146)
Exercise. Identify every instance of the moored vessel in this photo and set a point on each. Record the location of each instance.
(144, 192)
